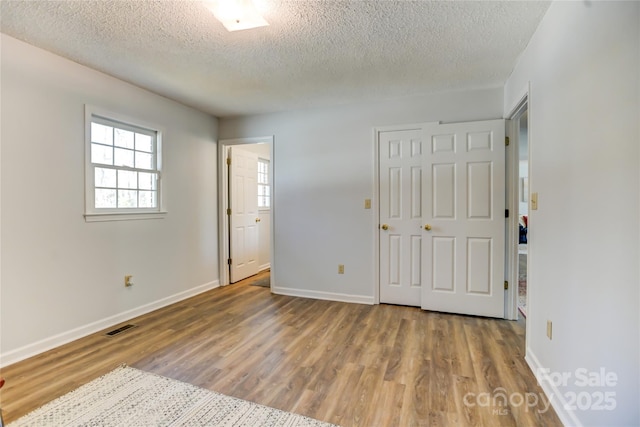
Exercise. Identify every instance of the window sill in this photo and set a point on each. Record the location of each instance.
(100, 217)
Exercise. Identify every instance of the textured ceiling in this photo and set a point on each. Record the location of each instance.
(314, 53)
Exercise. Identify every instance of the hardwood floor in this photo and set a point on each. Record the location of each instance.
(349, 364)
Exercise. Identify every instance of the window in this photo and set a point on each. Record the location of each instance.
(264, 190)
(123, 173)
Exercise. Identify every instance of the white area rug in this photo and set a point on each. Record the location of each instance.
(130, 397)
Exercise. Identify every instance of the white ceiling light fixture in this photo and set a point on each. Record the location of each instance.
(237, 15)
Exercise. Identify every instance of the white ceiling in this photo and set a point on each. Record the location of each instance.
(315, 53)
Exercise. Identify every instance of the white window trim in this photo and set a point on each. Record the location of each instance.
(268, 162)
(91, 214)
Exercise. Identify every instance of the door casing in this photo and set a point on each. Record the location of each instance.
(223, 204)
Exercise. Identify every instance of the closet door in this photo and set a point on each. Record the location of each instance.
(463, 218)
(401, 180)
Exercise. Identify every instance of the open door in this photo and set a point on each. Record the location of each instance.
(243, 215)
(464, 218)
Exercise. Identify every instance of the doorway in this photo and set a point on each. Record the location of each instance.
(523, 209)
(518, 255)
(246, 208)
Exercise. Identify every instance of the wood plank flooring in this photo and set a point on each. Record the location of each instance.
(349, 364)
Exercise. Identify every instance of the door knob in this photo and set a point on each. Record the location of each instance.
(427, 227)
(384, 227)
(257, 219)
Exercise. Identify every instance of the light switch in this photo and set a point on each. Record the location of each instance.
(367, 203)
(534, 201)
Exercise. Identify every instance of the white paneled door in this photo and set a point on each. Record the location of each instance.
(243, 199)
(454, 259)
(401, 179)
(464, 209)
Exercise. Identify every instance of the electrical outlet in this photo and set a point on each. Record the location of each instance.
(367, 203)
(549, 329)
(340, 268)
(127, 280)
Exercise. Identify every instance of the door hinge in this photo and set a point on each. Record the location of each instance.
(506, 141)
(228, 160)
(228, 211)
(229, 261)
(506, 213)
(506, 284)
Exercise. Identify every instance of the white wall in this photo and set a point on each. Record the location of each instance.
(262, 150)
(324, 169)
(63, 277)
(583, 66)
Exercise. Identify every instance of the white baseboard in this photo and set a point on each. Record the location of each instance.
(558, 402)
(264, 267)
(331, 296)
(46, 344)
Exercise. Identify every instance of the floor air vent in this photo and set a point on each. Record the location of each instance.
(120, 330)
